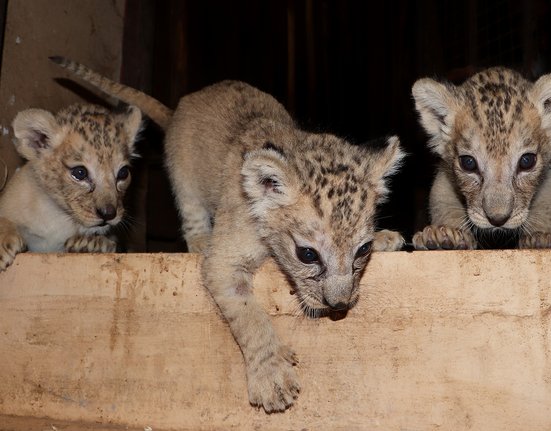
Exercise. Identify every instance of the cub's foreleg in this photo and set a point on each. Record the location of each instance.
(196, 226)
(233, 257)
(196, 219)
(11, 243)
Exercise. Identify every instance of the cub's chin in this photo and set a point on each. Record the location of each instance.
(96, 227)
(93, 224)
(497, 237)
(314, 309)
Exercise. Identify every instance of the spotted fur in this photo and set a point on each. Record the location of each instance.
(236, 158)
(496, 118)
(45, 207)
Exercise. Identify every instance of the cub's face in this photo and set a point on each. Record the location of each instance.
(315, 211)
(498, 182)
(492, 134)
(324, 264)
(81, 158)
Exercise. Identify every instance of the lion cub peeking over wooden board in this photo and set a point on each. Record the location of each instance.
(69, 194)
(249, 184)
(492, 187)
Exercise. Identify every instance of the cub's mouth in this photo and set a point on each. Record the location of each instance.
(94, 224)
(497, 237)
(315, 308)
(502, 221)
(328, 312)
(98, 230)
(98, 219)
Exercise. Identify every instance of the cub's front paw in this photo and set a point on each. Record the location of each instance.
(388, 240)
(11, 243)
(536, 240)
(90, 244)
(444, 238)
(272, 380)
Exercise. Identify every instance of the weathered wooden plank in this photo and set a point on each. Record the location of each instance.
(18, 423)
(447, 340)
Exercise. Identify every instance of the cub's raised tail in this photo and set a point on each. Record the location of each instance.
(151, 107)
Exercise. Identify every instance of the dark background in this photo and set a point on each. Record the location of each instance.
(338, 65)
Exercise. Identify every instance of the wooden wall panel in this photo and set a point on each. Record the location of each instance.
(88, 31)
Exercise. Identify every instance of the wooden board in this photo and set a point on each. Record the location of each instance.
(439, 340)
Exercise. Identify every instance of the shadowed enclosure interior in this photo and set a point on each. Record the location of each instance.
(345, 67)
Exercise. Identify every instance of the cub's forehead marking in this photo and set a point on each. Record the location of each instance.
(93, 127)
(496, 99)
(338, 185)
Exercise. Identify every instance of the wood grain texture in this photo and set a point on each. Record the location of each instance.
(439, 340)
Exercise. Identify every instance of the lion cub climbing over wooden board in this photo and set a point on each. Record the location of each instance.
(249, 184)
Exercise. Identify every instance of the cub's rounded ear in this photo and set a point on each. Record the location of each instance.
(35, 131)
(435, 103)
(386, 163)
(132, 120)
(267, 180)
(540, 95)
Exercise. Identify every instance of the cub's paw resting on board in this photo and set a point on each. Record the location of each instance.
(11, 243)
(443, 238)
(90, 244)
(535, 240)
(388, 240)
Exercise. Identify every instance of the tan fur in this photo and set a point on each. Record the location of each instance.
(495, 117)
(249, 184)
(44, 208)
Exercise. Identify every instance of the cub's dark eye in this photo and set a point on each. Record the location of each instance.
(527, 161)
(307, 255)
(79, 173)
(123, 173)
(364, 250)
(468, 163)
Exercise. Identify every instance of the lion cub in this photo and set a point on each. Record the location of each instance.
(249, 184)
(69, 193)
(493, 137)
